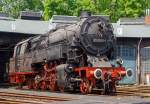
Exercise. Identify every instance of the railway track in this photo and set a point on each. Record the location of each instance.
(143, 91)
(17, 98)
(20, 98)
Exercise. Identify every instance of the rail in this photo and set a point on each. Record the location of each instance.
(17, 98)
(143, 91)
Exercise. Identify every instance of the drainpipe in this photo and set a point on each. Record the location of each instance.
(138, 63)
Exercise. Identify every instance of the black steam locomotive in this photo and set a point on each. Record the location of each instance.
(69, 57)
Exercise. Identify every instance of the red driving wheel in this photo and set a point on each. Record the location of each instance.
(30, 83)
(62, 88)
(43, 85)
(36, 86)
(85, 87)
(52, 82)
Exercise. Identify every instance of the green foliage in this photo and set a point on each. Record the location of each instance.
(126, 8)
(34, 5)
(0, 5)
(13, 7)
(114, 8)
(67, 7)
(132, 8)
(52, 7)
(88, 5)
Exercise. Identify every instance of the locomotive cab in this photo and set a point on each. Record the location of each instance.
(19, 63)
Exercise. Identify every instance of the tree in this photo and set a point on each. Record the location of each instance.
(67, 7)
(13, 7)
(125, 8)
(52, 7)
(88, 5)
(35, 5)
(0, 5)
(114, 8)
(133, 8)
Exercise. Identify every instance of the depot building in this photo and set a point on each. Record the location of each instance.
(133, 45)
(133, 42)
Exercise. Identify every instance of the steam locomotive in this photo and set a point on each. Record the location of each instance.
(69, 58)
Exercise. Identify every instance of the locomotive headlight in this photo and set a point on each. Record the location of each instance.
(129, 72)
(98, 73)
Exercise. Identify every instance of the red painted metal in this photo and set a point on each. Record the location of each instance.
(19, 77)
(85, 86)
(36, 86)
(115, 72)
(49, 80)
(30, 83)
(50, 76)
(88, 80)
(52, 82)
(43, 85)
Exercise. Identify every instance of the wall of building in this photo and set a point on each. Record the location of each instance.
(126, 49)
(145, 61)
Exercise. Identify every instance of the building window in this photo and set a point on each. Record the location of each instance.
(125, 51)
(145, 57)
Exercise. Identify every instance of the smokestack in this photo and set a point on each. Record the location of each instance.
(85, 14)
(147, 17)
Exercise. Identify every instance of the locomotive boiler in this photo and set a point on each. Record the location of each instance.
(69, 58)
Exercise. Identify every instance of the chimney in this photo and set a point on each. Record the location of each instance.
(29, 15)
(147, 17)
